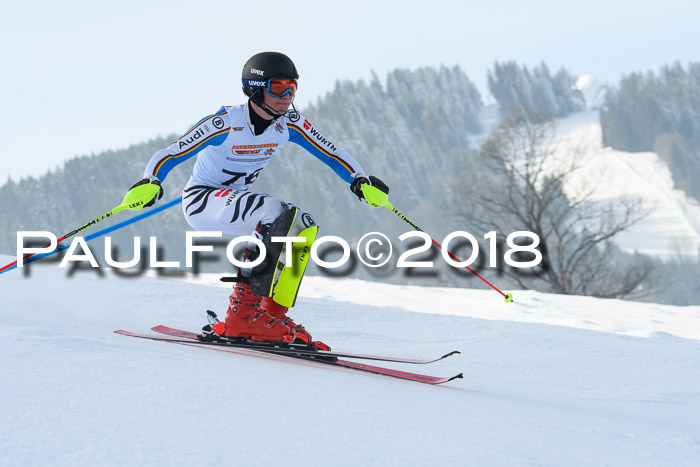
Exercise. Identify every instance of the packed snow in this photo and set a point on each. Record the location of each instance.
(549, 380)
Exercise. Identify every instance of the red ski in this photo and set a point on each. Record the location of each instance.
(232, 348)
(263, 346)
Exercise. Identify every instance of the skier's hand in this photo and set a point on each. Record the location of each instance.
(371, 189)
(142, 196)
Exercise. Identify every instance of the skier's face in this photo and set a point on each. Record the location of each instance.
(278, 104)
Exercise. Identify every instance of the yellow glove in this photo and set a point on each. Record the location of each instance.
(371, 189)
(143, 194)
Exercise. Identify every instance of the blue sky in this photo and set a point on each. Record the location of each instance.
(81, 77)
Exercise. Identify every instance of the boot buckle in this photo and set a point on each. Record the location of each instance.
(271, 324)
(256, 316)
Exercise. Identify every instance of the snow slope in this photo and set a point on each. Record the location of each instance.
(541, 392)
(672, 228)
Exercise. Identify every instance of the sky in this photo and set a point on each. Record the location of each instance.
(81, 77)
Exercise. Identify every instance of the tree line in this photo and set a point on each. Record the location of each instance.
(659, 112)
(537, 93)
(415, 130)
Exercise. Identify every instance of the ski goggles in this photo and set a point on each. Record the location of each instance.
(281, 87)
(274, 87)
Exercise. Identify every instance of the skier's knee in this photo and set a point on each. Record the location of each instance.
(288, 224)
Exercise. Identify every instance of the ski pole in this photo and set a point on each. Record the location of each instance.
(378, 198)
(132, 200)
(105, 231)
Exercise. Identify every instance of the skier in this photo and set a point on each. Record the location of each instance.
(233, 146)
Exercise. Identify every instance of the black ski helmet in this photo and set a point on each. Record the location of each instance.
(264, 66)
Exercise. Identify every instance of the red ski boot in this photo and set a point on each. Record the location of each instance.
(245, 318)
(297, 332)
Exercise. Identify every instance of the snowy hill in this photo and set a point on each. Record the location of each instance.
(672, 228)
(549, 380)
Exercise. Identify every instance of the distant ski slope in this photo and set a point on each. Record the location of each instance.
(74, 393)
(672, 229)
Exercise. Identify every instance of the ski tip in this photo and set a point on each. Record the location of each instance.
(459, 376)
(447, 380)
(454, 352)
